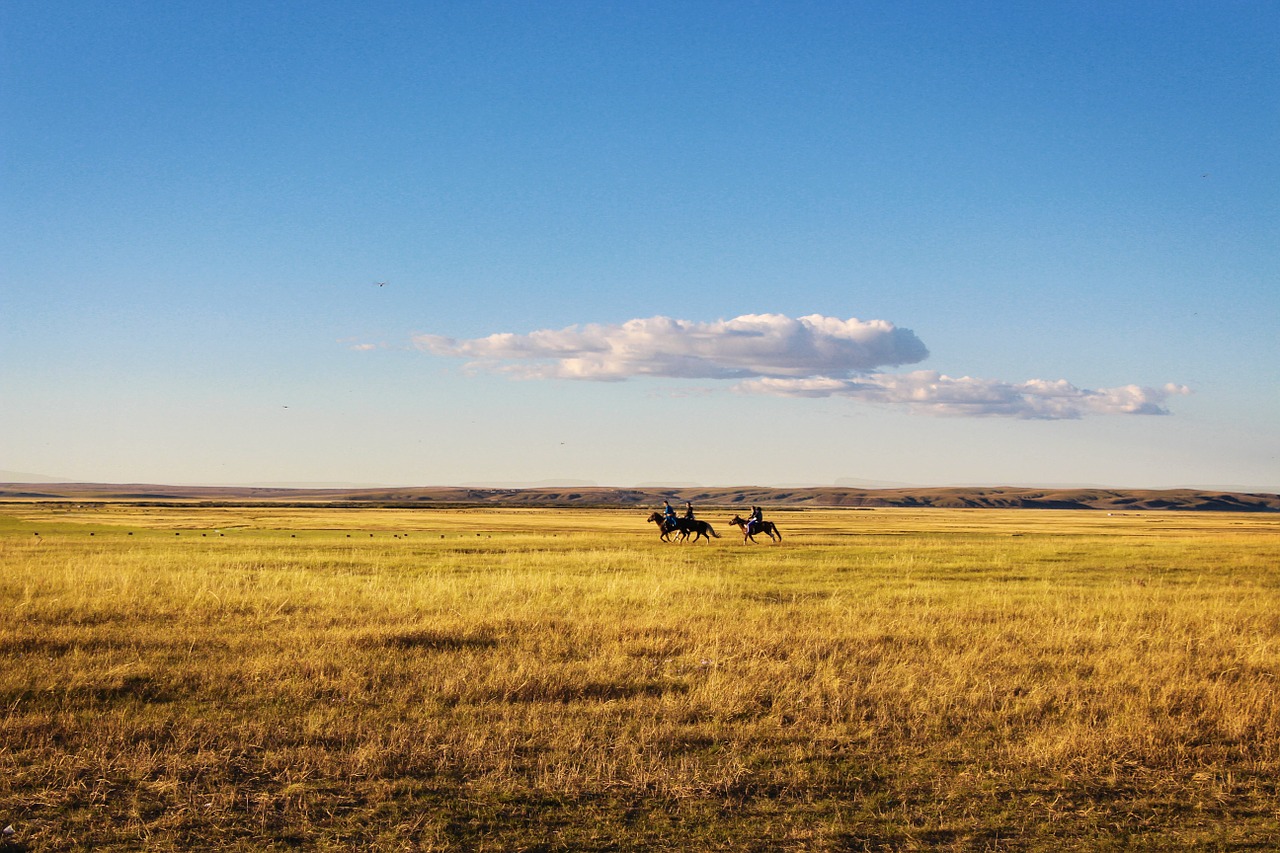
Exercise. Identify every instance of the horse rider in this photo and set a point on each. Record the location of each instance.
(688, 511)
(754, 520)
(669, 516)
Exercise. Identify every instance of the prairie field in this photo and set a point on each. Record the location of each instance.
(251, 678)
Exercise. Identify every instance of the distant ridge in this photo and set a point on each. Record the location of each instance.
(24, 477)
(1112, 500)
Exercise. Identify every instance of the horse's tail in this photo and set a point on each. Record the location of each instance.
(712, 531)
(777, 531)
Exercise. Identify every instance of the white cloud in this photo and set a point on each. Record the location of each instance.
(744, 347)
(357, 345)
(930, 392)
(813, 356)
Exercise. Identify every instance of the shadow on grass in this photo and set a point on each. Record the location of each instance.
(429, 639)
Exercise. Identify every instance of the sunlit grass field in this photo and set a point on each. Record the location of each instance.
(259, 678)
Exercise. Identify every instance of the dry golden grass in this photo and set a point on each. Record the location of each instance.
(252, 678)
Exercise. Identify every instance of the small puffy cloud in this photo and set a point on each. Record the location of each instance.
(930, 392)
(754, 345)
(357, 345)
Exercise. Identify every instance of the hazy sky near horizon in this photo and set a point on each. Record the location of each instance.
(717, 243)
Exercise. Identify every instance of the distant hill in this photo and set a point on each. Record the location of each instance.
(1112, 500)
(24, 477)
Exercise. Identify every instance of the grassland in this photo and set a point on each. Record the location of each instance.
(279, 678)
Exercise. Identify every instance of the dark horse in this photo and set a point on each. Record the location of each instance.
(767, 527)
(683, 526)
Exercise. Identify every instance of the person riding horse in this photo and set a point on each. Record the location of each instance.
(755, 524)
(669, 515)
(668, 523)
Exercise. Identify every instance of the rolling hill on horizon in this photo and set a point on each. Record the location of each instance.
(1005, 497)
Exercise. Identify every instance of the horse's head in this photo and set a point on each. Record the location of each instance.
(657, 516)
(737, 520)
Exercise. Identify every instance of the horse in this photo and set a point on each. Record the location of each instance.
(683, 526)
(699, 529)
(767, 527)
(664, 528)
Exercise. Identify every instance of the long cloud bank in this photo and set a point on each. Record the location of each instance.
(930, 392)
(812, 356)
(749, 346)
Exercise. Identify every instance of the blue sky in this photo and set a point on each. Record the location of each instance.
(723, 243)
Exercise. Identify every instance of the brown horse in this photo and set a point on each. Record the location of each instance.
(683, 526)
(766, 527)
(665, 529)
(699, 529)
